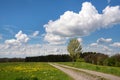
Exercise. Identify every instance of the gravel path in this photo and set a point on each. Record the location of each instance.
(76, 75)
(83, 74)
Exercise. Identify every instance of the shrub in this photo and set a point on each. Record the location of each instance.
(80, 60)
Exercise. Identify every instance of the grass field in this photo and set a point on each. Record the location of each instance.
(30, 71)
(105, 69)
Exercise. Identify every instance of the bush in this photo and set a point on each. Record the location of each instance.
(80, 60)
(110, 61)
(117, 64)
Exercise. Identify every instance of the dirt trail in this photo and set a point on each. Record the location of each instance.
(76, 75)
(83, 74)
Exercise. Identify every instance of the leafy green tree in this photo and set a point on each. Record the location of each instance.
(113, 60)
(74, 48)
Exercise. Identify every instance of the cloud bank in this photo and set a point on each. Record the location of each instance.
(18, 47)
(104, 45)
(88, 20)
(31, 50)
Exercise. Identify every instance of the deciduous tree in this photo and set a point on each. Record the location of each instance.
(74, 48)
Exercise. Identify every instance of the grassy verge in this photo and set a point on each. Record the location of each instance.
(104, 69)
(30, 71)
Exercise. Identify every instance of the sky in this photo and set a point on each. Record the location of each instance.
(43, 27)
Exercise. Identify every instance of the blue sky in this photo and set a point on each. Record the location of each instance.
(25, 25)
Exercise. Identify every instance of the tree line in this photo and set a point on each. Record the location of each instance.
(12, 59)
(101, 59)
(49, 58)
(89, 57)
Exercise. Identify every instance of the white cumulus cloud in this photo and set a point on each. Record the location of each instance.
(13, 42)
(116, 44)
(35, 33)
(94, 44)
(100, 46)
(103, 40)
(20, 38)
(106, 49)
(88, 20)
(54, 39)
(80, 40)
(94, 47)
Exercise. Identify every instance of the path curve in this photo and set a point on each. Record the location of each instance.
(76, 75)
(106, 76)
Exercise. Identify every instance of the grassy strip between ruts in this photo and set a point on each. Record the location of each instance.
(30, 71)
(104, 69)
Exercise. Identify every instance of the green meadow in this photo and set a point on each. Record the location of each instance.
(30, 71)
(44, 71)
(104, 69)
